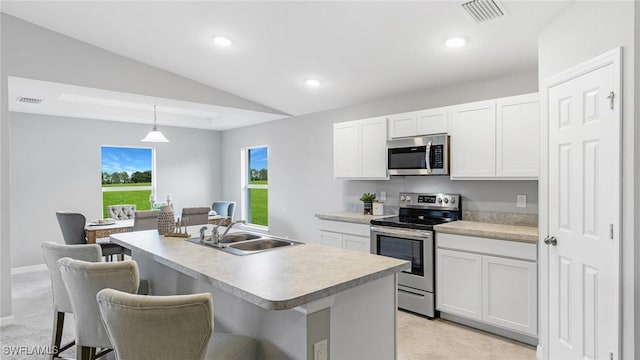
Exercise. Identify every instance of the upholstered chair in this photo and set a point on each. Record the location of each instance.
(72, 226)
(83, 280)
(195, 216)
(145, 220)
(168, 327)
(52, 252)
(121, 212)
(224, 208)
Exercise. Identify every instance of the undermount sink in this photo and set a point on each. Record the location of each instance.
(244, 243)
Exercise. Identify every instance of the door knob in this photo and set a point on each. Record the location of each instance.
(551, 240)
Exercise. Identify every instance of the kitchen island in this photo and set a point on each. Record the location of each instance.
(288, 298)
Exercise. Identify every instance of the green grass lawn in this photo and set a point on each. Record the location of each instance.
(126, 185)
(259, 214)
(138, 197)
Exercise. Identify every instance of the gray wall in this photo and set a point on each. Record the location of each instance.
(301, 160)
(55, 165)
(583, 31)
(33, 52)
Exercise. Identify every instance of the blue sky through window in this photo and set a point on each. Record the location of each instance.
(127, 159)
(258, 158)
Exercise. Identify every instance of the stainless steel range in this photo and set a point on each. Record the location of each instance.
(409, 236)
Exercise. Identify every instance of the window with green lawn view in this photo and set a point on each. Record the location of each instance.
(256, 185)
(126, 176)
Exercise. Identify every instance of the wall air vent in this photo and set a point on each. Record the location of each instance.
(29, 100)
(483, 10)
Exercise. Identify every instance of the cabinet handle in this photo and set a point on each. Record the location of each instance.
(427, 158)
(551, 240)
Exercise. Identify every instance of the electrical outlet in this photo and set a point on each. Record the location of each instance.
(522, 201)
(320, 350)
(383, 196)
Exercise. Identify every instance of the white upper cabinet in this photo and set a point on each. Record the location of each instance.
(496, 139)
(417, 123)
(360, 149)
(473, 140)
(518, 136)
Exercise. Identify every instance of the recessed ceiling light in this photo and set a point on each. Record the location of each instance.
(312, 82)
(456, 42)
(222, 41)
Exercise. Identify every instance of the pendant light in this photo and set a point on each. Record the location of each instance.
(155, 135)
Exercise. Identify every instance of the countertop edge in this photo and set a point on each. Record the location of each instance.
(262, 302)
(450, 228)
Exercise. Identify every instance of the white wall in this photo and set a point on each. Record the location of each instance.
(33, 52)
(583, 31)
(55, 165)
(301, 159)
(636, 188)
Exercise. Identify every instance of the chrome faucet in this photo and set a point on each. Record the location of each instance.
(215, 234)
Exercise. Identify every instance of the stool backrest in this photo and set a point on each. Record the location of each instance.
(195, 215)
(72, 226)
(145, 220)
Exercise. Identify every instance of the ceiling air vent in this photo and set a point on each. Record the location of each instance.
(29, 100)
(483, 10)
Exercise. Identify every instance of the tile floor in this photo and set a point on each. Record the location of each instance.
(418, 337)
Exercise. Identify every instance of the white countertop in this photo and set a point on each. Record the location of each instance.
(278, 279)
(349, 216)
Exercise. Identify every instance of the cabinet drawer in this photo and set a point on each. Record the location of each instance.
(344, 227)
(514, 249)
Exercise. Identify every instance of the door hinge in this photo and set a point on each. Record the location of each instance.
(611, 231)
(610, 356)
(610, 97)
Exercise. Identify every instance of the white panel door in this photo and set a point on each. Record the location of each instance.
(402, 125)
(518, 136)
(458, 283)
(346, 149)
(473, 140)
(510, 294)
(583, 216)
(373, 152)
(432, 121)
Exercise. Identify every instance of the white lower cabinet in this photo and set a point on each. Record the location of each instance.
(487, 280)
(345, 235)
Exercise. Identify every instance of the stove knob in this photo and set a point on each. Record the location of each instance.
(401, 198)
(408, 198)
(439, 200)
(446, 200)
(453, 200)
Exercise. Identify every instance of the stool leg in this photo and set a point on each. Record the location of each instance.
(56, 338)
(85, 353)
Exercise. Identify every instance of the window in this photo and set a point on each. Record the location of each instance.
(256, 185)
(126, 176)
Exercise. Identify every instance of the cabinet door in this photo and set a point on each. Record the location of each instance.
(373, 151)
(402, 125)
(518, 136)
(509, 294)
(432, 121)
(346, 149)
(458, 283)
(328, 238)
(473, 140)
(357, 243)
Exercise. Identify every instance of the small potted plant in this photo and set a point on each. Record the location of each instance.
(367, 199)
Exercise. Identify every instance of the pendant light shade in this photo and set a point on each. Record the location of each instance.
(155, 135)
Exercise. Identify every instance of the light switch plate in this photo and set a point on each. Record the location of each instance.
(320, 350)
(383, 196)
(522, 201)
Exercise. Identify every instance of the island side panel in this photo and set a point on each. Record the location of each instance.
(363, 321)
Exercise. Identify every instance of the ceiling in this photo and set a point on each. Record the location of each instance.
(360, 51)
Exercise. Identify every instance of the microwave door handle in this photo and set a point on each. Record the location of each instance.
(427, 158)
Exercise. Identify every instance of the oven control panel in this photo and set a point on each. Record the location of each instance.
(430, 201)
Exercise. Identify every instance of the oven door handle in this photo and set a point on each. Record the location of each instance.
(416, 234)
(427, 158)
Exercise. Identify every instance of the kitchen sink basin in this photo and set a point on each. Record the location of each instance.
(232, 238)
(244, 243)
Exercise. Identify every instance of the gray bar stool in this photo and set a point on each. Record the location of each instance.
(168, 327)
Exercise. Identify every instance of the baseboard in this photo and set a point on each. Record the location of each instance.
(7, 320)
(28, 269)
(539, 352)
(527, 339)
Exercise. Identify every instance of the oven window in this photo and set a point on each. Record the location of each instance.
(404, 249)
(408, 158)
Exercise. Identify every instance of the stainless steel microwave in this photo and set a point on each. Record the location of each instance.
(424, 155)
